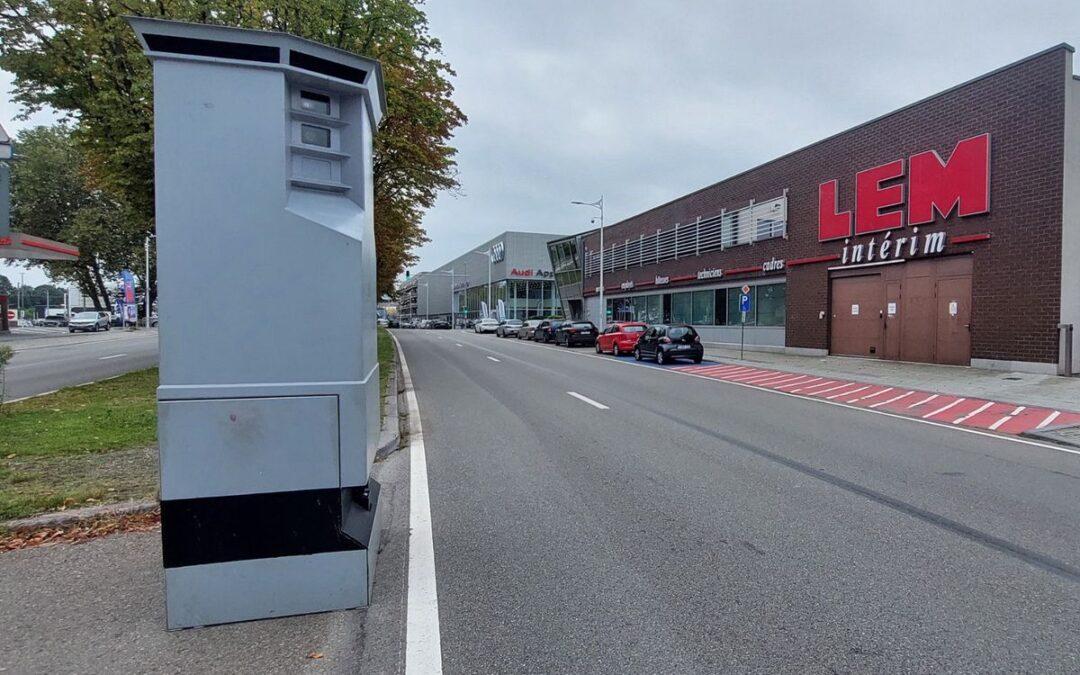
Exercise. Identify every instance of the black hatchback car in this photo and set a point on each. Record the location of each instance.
(573, 333)
(664, 343)
(545, 332)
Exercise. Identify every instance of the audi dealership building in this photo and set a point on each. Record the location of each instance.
(513, 269)
(947, 231)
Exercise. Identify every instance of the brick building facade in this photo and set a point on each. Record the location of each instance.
(1019, 254)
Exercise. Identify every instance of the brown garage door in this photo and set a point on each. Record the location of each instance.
(915, 311)
(857, 305)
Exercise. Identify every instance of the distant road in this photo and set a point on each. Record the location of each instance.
(51, 358)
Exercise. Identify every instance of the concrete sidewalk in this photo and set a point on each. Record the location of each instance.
(1048, 391)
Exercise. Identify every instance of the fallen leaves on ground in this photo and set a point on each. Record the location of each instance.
(79, 533)
(315, 655)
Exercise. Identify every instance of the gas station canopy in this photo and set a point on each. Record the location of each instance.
(17, 244)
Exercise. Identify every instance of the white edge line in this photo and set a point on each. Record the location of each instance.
(113, 356)
(494, 359)
(840, 404)
(588, 400)
(423, 645)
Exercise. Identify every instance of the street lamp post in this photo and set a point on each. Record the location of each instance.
(599, 204)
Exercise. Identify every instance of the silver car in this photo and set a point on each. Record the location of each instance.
(89, 321)
(528, 328)
(508, 328)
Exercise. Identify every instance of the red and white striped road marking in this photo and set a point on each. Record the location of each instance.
(968, 412)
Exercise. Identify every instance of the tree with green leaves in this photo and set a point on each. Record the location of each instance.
(52, 196)
(80, 57)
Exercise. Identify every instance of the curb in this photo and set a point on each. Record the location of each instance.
(75, 516)
(390, 428)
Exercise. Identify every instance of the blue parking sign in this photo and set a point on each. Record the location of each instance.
(744, 303)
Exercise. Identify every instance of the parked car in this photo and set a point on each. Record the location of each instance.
(528, 328)
(439, 324)
(486, 326)
(545, 332)
(424, 323)
(573, 333)
(620, 338)
(664, 343)
(508, 328)
(89, 321)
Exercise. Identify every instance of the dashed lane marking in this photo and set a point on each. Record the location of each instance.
(588, 400)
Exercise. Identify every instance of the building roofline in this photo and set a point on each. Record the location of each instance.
(1063, 45)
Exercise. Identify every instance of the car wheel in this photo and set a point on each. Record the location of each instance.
(660, 357)
(697, 359)
(637, 354)
(71, 330)
(106, 326)
(94, 329)
(598, 350)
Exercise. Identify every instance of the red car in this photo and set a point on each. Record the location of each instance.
(620, 338)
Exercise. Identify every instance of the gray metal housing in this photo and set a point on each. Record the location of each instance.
(266, 265)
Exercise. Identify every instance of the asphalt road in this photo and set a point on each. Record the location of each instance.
(48, 359)
(694, 525)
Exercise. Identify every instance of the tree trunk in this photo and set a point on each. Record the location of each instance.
(87, 286)
(101, 286)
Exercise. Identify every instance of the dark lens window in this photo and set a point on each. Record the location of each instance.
(316, 103)
(679, 332)
(310, 135)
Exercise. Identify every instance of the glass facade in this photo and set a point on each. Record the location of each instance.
(566, 266)
(524, 299)
(719, 307)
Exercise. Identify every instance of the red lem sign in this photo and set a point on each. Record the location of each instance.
(962, 184)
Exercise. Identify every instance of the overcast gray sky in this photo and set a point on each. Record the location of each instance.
(646, 101)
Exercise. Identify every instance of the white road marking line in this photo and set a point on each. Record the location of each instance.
(847, 393)
(717, 370)
(944, 408)
(891, 400)
(458, 344)
(588, 400)
(1049, 418)
(114, 356)
(839, 386)
(790, 380)
(929, 398)
(733, 373)
(876, 393)
(761, 376)
(814, 386)
(807, 397)
(801, 384)
(974, 412)
(423, 646)
(494, 359)
(1005, 418)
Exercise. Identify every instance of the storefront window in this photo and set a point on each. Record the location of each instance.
(655, 313)
(772, 304)
(703, 308)
(681, 308)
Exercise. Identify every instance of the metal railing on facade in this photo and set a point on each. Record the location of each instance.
(757, 221)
